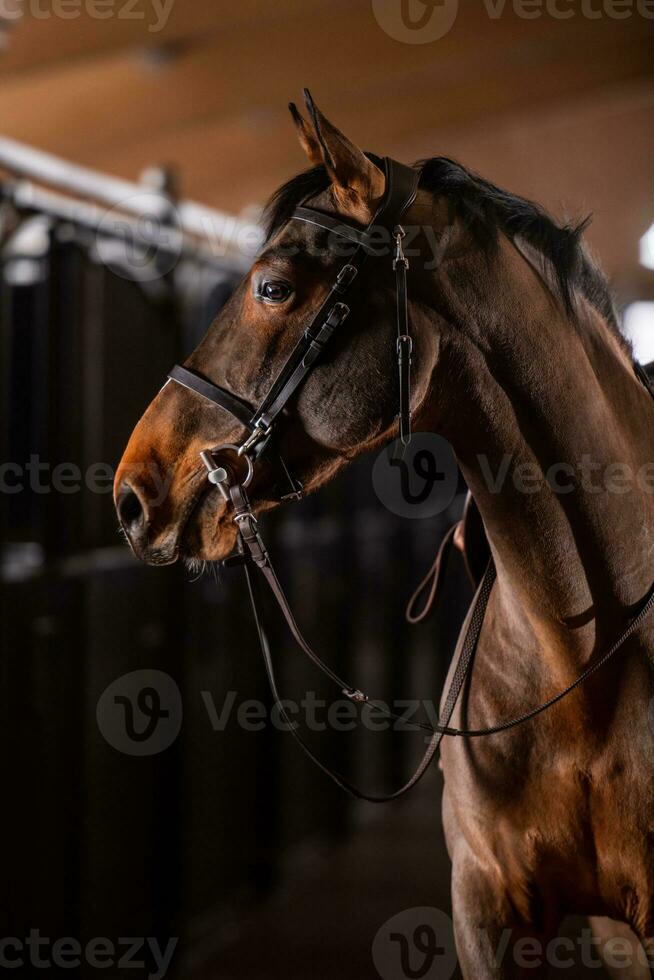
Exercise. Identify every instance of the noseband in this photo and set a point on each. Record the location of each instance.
(401, 189)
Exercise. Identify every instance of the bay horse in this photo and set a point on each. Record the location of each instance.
(519, 363)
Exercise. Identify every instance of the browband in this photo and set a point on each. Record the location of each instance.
(329, 223)
(400, 193)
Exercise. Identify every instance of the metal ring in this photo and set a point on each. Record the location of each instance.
(229, 445)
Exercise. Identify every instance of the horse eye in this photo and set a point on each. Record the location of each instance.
(273, 291)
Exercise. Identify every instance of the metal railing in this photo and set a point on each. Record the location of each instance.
(147, 211)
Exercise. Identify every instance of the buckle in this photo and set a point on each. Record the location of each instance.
(400, 258)
(246, 516)
(337, 314)
(346, 276)
(354, 694)
(259, 432)
(296, 494)
(404, 341)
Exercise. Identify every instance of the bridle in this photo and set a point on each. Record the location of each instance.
(260, 423)
(401, 189)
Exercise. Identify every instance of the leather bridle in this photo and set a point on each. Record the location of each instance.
(260, 423)
(401, 189)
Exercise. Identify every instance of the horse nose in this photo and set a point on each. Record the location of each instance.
(133, 512)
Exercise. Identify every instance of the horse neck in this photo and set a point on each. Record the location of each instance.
(539, 392)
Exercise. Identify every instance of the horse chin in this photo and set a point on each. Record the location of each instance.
(209, 535)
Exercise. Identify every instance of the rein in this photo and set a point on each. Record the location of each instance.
(401, 189)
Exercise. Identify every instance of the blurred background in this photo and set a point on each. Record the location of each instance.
(138, 142)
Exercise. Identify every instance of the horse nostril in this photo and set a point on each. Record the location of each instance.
(130, 509)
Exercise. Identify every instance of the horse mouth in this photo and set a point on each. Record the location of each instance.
(208, 533)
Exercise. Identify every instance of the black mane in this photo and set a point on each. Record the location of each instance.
(485, 210)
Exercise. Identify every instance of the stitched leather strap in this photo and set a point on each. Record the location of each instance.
(401, 190)
(236, 406)
(471, 629)
(462, 671)
(333, 225)
(404, 342)
(434, 575)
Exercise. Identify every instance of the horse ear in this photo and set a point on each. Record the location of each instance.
(306, 135)
(358, 184)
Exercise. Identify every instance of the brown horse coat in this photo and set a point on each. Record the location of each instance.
(520, 365)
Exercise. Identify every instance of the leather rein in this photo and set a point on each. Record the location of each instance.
(401, 189)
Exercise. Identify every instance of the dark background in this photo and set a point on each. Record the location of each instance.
(230, 840)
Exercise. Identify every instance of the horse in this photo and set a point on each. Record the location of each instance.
(519, 362)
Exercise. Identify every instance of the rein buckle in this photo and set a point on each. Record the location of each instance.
(354, 694)
(295, 494)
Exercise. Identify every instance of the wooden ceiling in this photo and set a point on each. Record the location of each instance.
(559, 109)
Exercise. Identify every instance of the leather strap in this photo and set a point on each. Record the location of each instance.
(464, 663)
(401, 190)
(301, 359)
(404, 341)
(433, 576)
(236, 406)
(472, 629)
(334, 225)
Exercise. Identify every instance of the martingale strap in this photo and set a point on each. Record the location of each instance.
(253, 550)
